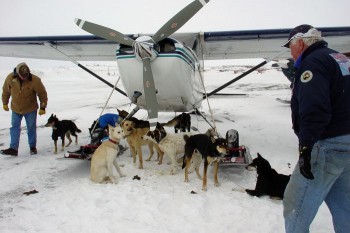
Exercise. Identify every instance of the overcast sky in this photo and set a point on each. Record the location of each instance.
(56, 17)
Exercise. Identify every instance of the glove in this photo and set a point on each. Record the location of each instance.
(5, 107)
(304, 162)
(42, 111)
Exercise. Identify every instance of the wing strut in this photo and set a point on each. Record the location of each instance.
(243, 75)
(86, 69)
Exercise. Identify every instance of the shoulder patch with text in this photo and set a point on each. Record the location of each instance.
(306, 76)
(343, 62)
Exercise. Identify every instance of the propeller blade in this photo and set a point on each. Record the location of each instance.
(179, 20)
(150, 93)
(104, 32)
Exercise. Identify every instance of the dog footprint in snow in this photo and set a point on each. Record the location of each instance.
(238, 189)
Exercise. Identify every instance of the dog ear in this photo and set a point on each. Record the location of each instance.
(259, 155)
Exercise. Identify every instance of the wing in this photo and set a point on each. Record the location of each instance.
(209, 45)
(264, 43)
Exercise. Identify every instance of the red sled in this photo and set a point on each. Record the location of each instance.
(236, 154)
(242, 156)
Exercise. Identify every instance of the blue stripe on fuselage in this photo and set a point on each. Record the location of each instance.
(179, 53)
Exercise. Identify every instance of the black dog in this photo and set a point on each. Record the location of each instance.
(180, 122)
(61, 129)
(209, 148)
(138, 123)
(269, 182)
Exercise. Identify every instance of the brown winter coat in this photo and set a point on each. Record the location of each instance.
(24, 96)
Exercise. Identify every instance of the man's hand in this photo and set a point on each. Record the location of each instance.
(42, 111)
(304, 162)
(5, 107)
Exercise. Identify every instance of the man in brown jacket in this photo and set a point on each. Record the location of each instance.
(23, 88)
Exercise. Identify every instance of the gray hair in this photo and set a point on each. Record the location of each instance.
(311, 40)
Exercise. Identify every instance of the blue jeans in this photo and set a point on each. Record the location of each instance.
(330, 164)
(15, 130)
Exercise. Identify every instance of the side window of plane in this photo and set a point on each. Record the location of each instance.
(167, 46)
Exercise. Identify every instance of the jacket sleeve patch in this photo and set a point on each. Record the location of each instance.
(306, 76)
(343, 62)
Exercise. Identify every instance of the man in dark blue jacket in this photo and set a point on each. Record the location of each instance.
(321, 120)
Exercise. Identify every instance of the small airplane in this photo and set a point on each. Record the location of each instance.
(163, 71)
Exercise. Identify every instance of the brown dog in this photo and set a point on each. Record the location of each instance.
(134, 138)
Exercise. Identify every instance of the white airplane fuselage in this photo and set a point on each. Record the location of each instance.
(177, 79)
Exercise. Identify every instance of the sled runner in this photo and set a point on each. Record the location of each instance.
(85, 152)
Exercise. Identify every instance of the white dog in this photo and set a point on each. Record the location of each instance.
(105, 157)
(171, 145)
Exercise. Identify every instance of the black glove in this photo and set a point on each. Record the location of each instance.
(304, 162)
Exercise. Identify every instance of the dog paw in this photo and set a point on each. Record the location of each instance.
(204, 189)
(122, 175)
(217, 184)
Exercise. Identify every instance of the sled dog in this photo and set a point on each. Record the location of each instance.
(105, 157)
(209, 148)
(180, 122)
(269, 182)
(62, 129)
(171, 145)
(134, 138)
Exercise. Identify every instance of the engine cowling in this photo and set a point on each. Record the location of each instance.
(144, 47)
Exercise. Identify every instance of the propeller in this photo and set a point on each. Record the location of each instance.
(177, 21)
(145, 48)
(104, 32)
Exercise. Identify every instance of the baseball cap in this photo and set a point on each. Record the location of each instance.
(302, 31)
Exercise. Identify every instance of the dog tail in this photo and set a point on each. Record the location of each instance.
(186, 137)
(77, 129)
(170, 123)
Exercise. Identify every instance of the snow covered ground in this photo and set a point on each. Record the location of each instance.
(67, 201)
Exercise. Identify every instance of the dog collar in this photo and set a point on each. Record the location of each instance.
(115, 142)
